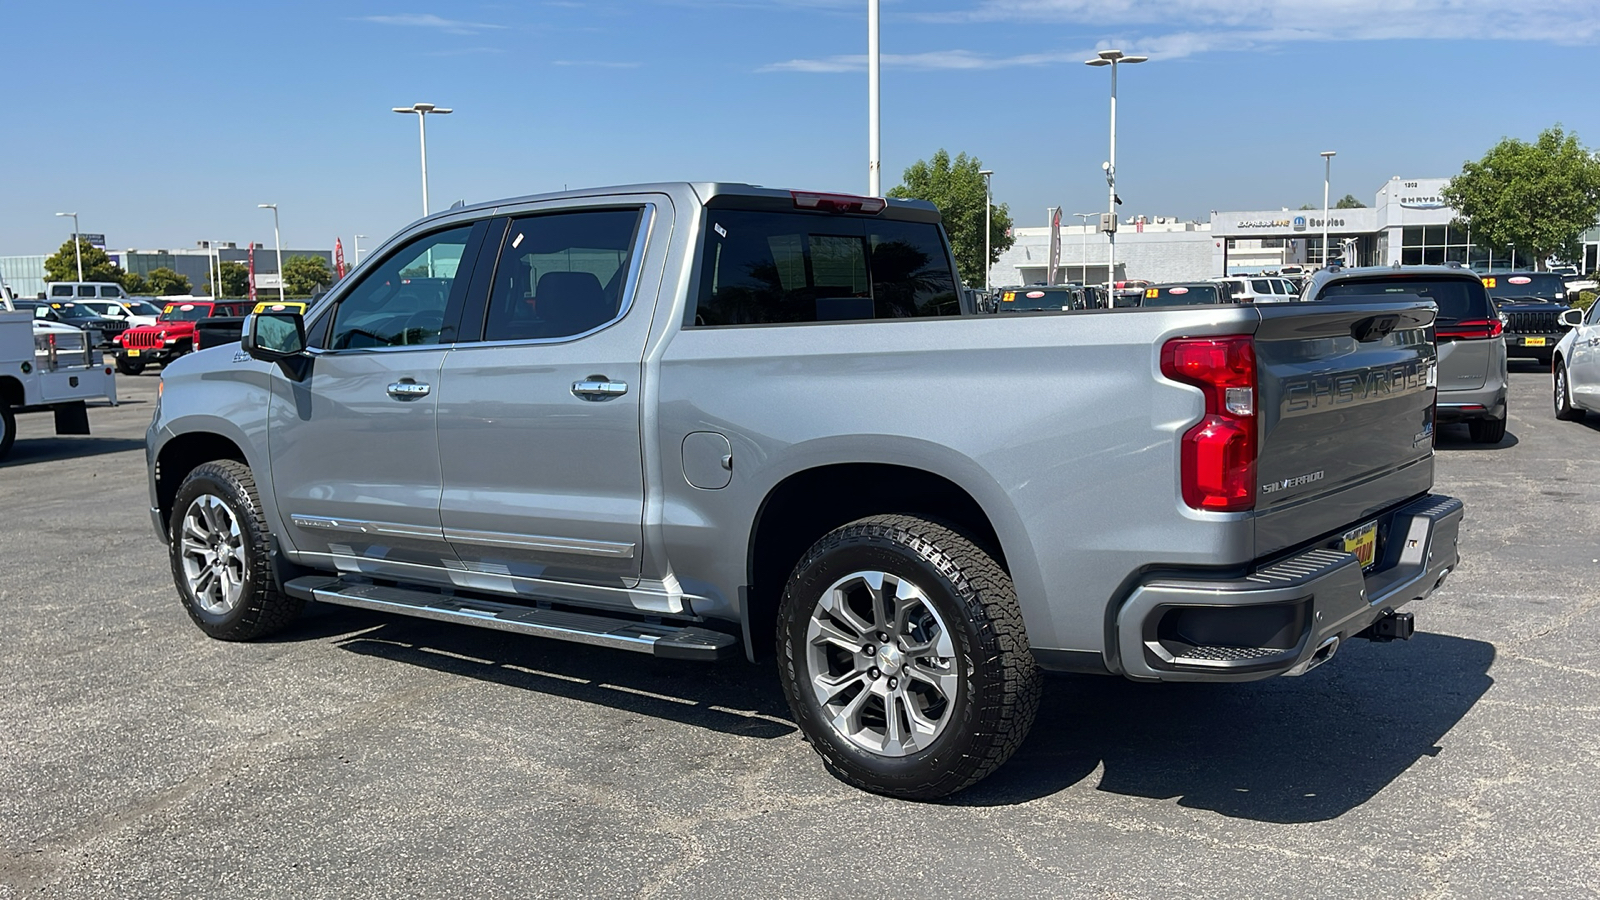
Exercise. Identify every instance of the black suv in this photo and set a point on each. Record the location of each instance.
(1530, 304)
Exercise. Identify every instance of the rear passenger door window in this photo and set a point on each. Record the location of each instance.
(770, 268)
(562, 275)
(404, 300)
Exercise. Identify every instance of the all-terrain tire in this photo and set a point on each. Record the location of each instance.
(130, 366)
(1487, 431)
(261, 608)
(998, 683)
(1565, 411)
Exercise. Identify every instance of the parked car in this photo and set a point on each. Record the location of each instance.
(172, 335)
(132, 311)
(103, 329)
(1530, 304)
(692, 420)
(1259, 288)
(1197, 293)
(1054, 298)
(62, 291)
(1472, 379)
(1575, 369)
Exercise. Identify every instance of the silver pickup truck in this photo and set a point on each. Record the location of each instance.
(709, 420)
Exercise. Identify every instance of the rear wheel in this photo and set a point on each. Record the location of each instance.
(1563, 395)
(8, 429)
(221, 555)
(129, 366)
(1487, 431)
(904, 659)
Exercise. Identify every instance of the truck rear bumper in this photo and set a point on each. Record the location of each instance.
(1290, 616)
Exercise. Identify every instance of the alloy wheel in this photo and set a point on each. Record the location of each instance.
(213, 554)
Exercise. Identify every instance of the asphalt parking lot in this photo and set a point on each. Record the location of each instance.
(370, 756)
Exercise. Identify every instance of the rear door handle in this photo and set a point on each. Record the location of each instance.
(598, 387)
(408, 390)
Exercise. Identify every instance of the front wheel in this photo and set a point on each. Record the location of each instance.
(1563, 396)
(129, 366)
(8, 429)
(221, 555)
(903, 656)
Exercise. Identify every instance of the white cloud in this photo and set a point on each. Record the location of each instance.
(429, 20)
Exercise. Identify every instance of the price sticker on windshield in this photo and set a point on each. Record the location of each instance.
(1490, 281)
(1151, 293)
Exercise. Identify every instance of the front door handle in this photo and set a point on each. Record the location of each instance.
(408, 390)
(598, 387)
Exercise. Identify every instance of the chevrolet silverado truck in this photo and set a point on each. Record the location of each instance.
(172, 335)
(707, 420)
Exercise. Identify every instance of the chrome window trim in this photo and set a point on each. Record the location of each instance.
(630, 286)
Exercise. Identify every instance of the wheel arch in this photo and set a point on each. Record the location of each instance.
(181, 454)
(11, 392)
(811, 500)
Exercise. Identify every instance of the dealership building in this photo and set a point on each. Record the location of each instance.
(1408, 223)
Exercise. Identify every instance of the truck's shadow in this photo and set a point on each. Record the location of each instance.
(1454, 437)
(1286, 750)
(27, 451)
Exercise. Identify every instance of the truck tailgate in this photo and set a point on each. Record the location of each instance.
(1345, 415)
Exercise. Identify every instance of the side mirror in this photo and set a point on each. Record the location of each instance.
(278, 337)
(1572, 318)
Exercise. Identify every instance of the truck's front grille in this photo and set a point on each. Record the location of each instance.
(140, 340)
(1533, 322)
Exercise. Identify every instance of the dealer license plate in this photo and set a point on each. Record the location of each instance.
(1533, 342)
(1363, 542)
(133, 353)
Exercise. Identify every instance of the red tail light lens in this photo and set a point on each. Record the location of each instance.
(1469, 330)
(1218, 456)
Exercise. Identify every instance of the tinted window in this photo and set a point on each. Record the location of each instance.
(110, 291)
(1182, 295)
(85, 290)
(767, 268)
(1457, 300)
(1545, 285)
(185, 312)
(401, 302)
(144, 308)
(561, 274)
(1261, 286)
(1041, 299)
(61, 290)
(1594, 314)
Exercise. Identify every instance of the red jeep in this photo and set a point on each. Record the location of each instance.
(172, 335)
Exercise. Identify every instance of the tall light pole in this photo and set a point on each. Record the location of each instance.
(1112, 58)
(357, 251)
(874, 132)
(76, 252)
(276, 242)
(422, 111)
(1083, 245)
(988, 204)
(1327, 173)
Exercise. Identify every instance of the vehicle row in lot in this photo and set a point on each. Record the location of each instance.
(48, 367)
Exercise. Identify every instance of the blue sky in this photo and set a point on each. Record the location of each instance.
(165, 123)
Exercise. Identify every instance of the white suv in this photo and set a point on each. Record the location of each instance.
(1259, 289)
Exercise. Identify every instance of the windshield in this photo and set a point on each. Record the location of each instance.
(1457, 299)
(144, 308)
(1181, 295)
(185, 312)
(1019, 301)
(1544, 285)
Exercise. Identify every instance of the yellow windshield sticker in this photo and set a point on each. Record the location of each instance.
(1489, 282)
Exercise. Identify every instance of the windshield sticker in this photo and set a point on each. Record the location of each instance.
(721, 232)
(518, 242)
(187, 307)
(1178, 290)
(1151, 293)
(1489, 282)
(1520, 279)
(1034, 295)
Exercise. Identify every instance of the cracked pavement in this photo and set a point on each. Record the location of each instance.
(373, 756)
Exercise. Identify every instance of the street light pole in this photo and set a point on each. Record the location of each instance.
(1112, 58)
(1327, 173)
(357, 251)
(1083, 245)
(77, 253)
(422, 110)
(277, 242)
(874, 131)
(988, 204)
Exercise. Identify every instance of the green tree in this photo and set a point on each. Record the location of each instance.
(956, 188)
(1349, 201)
(303, 275)
(164, 282)
(1537, 198)
(235, 278)
(1305, 206)
(134, 284)
(97, 266)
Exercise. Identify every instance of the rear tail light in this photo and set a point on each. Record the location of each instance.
(1470, 330)
(1218, 455)
(840, 203)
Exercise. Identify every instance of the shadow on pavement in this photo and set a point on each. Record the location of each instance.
(732, 698)
(1287, 750)
(27, 451)
(1454, 437)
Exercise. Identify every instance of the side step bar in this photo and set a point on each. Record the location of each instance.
(664, 641)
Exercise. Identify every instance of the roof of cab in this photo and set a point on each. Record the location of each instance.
(704, 192)
(1337, 274)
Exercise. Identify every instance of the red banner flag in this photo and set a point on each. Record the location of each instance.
(252, 273)
(338, 257)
